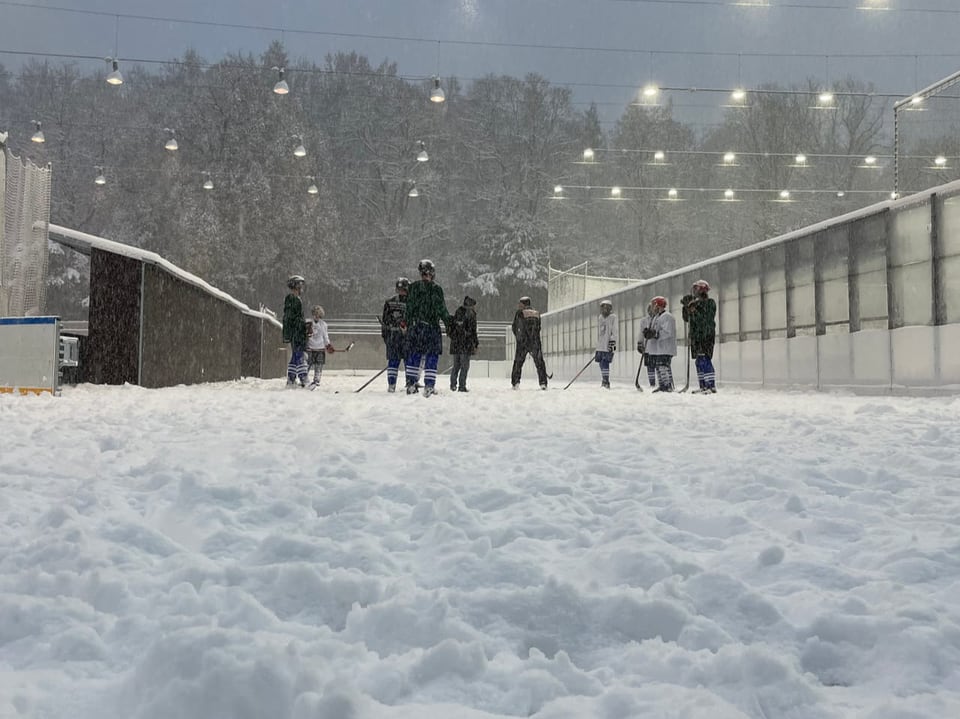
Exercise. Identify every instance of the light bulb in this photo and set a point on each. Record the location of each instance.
(114, 77)
(437, 94)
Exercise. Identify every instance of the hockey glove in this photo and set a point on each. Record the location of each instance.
(611, 346)
(329, 348)
(648, 333)
(640, 346)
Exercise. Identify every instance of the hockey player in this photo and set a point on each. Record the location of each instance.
(526, 330)
(661, 337)
(424, 311)
(295, 332)
(607, 334)
(318, 344)
(463, 343)
(701, 311)
(392, 330)
(642, 346)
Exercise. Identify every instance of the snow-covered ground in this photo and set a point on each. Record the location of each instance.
(240, 551)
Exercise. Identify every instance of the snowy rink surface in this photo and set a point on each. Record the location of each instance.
(241, 551)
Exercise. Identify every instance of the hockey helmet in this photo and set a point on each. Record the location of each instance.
(295, 281)
(403, 283)
(426, 268)
(659, 302)
(525, 301)
(701, 286)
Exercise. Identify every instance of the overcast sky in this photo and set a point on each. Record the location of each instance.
(679, 43)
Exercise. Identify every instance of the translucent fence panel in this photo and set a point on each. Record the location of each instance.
(801, 297)
(728, 306)
(949, 236)
(911, 266)
(868, 272)
(751, 324)
(774, 292)
(833, 251)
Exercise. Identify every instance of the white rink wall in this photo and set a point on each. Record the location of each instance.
(868, 301)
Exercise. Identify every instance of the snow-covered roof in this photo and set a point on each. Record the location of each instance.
(83, 242)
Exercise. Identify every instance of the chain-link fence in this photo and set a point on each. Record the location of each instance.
(24, 220)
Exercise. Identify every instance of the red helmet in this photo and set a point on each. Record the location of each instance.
(659, 302)
(701, 286)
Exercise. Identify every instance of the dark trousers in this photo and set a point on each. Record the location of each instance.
(521, 356)
(458, 375)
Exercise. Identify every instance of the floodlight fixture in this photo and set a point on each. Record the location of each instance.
(100, 178)
(436, 94)
(414, 192)
(207, 183)
(281, 87)
(171, 143)
(422, 155)
(37, 136)
(114, 77)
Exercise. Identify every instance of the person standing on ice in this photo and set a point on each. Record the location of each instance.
(463, 343)
(607, 334)
(661, 337)
(318, 344)
(393, 332)
(642, 345)
(701, 311)
(295, 332)
(424, 311)
(526, 330)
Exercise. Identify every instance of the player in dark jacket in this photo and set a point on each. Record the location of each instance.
(424, 311)
(295, 332)
(701, 312)
(393, 331)
(463, 342)
(526, 329)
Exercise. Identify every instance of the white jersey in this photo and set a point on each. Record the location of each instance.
(606, 331)
(665, 343)
(320, 337)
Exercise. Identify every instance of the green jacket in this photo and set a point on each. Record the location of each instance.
(425, 303)
(701, 313)
(294, 326)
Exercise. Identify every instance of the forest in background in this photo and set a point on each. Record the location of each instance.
(487, 212)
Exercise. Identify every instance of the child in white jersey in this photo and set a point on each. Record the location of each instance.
(318, 344)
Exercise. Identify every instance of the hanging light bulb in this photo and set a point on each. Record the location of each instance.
(413, 191)
(208, 183)
(588, 155)
(281, 88)
(841, 193)
(659, 156)
(436, 94)
(672, 193)
(870, 161)
(738, 95)
(38, 134)
(422, 156)
(615, 191)
(784, 195)
(300, 150)
(729, 158)
(728, 194)
(114, 77)
(557, 190)
(100, 179)
(171, 143)
(800, 159)
(825, 98)
(313, 189)
(940, 161)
